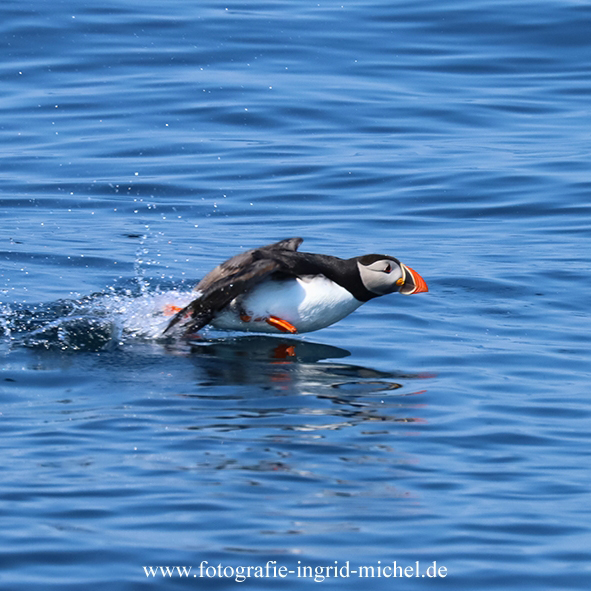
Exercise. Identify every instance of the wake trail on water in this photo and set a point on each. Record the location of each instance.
(97, 322)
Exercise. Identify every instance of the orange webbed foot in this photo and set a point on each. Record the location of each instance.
(280, 324)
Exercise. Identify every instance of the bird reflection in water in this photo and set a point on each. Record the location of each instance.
(299, 368)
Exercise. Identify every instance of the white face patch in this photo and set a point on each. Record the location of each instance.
(381, 277)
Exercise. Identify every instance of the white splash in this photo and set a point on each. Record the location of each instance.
(93, 323)
(142, 316)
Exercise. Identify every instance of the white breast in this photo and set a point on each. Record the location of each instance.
(309, 303)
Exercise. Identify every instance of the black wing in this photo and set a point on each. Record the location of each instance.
(244, 260)
(231, 279)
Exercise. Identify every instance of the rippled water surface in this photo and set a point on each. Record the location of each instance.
(144, 142)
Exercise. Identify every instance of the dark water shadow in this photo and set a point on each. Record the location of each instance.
(292, 367)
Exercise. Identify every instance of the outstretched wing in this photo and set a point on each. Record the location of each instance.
(244, 260)
(229, 280)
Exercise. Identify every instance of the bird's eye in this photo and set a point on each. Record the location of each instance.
(388, 268)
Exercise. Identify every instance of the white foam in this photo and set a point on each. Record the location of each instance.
(144, 316)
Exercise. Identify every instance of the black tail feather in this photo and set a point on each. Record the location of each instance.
(198, 317)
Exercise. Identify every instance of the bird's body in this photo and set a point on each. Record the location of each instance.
(277, 289)
(308, 303)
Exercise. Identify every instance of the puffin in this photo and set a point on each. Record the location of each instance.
(277, 289)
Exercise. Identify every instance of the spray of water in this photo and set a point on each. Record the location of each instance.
(97, 322)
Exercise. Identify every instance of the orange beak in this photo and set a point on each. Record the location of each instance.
(413, 282)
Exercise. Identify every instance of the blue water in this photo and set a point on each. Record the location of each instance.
(144, 142)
